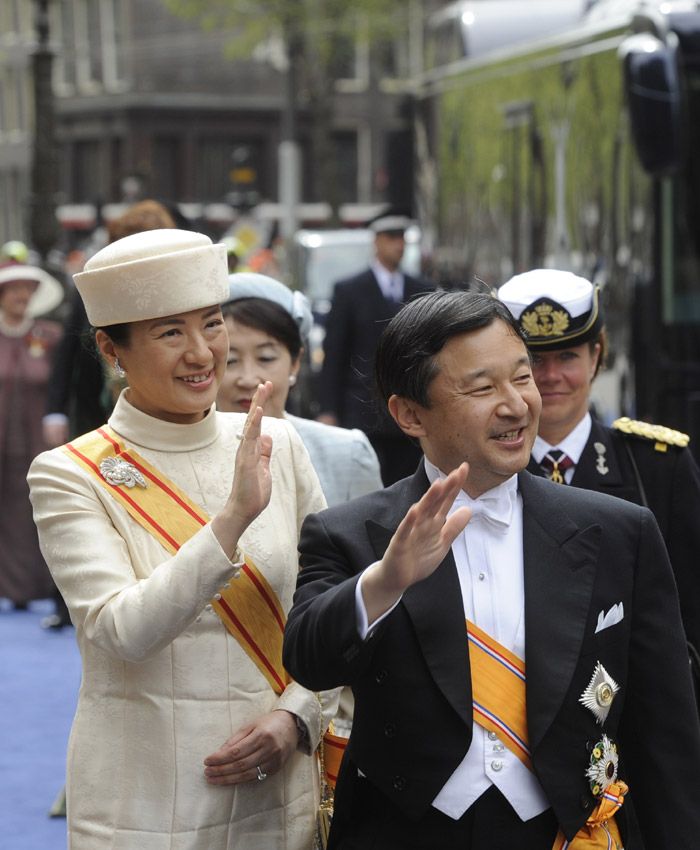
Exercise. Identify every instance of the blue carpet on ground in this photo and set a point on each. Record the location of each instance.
(40, 674)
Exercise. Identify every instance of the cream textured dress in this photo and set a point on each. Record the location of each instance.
(164, 684)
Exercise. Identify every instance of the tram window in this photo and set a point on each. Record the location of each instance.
(680, 222)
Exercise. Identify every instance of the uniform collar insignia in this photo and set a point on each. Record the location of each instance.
(601, 463)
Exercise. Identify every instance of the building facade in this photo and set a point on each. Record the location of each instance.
(148, 104)
(17, 43)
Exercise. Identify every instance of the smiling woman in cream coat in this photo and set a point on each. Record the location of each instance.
(179, 741)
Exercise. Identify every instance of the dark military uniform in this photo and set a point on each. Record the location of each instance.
(651, 466)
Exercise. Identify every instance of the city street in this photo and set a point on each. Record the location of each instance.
(40, 680)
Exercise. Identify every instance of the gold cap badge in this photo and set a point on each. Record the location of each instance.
(545, 320)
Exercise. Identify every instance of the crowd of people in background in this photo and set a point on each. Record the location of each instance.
(249, 586)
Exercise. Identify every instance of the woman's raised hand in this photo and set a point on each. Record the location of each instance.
(252, 484)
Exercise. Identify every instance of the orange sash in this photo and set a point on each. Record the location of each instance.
(499, 701)
(248, 606)
(333, 749)
(498, 691)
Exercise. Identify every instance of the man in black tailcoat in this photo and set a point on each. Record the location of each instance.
(514, 647)
(361, 307)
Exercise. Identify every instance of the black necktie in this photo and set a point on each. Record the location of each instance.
(555, 463)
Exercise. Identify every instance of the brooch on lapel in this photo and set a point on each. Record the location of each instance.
(600, 693)
(602, 771)
(117, 471)
(601, 464)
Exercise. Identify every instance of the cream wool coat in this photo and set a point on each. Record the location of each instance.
(164, 684)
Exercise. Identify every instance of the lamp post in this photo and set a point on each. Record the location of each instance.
(289, 156)
(43, 227)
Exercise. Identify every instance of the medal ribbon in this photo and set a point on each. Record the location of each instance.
(600, 832)
(248, 606)
(498, 691)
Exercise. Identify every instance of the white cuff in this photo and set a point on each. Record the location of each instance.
(363, 627)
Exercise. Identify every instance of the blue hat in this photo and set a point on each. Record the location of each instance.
(252, 285)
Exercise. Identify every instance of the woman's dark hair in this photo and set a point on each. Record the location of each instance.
(405, 363)
(120, 334)
(268, 317)
(602, 341)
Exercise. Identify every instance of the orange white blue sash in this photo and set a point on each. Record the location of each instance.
(499, 703)
(248, 606)
(498, 691)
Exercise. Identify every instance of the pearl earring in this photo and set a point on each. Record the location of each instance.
(118, 371)
(292, 380)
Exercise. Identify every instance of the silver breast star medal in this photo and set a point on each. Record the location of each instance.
(602, 770)
(601, 463)
(117, 471)
(600, 693)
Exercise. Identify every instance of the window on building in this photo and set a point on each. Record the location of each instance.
(13, 194)
(63, 32)
(10, 107)
(229, 169)
(113, 43)
(345, 156)
(87, 171)
(343, 58)
(3, 99)
(349, 63)
(24, 16)
(167, 170)
(89, 43)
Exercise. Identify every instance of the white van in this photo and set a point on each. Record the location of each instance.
(323, 257)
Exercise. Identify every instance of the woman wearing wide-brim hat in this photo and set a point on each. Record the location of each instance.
(26, 347)
(171, 533)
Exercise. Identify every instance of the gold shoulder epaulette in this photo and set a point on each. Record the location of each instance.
(663, 437)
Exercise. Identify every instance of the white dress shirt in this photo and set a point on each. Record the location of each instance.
(572, 445)
(391, 283)
(489, 560)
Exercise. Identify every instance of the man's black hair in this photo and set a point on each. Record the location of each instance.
(405, 362)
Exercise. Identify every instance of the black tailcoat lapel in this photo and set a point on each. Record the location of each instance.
(560, 561)
(436, 610)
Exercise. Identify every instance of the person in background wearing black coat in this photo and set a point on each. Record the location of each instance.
(649, 465)
(361, 307)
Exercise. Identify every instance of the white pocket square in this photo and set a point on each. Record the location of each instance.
(613, 616)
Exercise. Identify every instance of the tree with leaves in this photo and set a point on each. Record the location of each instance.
(316, 38)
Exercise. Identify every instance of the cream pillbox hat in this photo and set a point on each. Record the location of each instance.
(153, 274)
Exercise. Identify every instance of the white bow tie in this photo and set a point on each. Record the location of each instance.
(496, 508)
